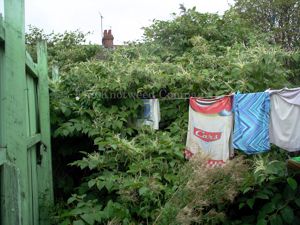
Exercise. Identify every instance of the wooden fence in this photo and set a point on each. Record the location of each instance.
(25, 153)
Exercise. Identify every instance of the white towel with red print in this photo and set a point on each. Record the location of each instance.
(210, 128)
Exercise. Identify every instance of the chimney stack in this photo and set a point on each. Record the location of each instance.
(108, 39)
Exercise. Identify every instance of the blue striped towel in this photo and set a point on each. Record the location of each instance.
(251, 122)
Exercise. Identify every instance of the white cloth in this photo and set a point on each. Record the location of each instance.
(285, 118)
(151, 113)
(211, 134)
(290, 95)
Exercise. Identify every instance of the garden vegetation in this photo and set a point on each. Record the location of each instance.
(107, 170)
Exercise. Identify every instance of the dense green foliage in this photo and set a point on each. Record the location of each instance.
(63, 49)
(272, 198)
(115, 172)
(258, 190)
(279, 18)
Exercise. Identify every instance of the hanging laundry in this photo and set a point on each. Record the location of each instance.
(151, 113)
(251, 122)
(285, 118)
(209, 129)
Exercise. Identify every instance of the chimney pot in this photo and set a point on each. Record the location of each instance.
(107, 40)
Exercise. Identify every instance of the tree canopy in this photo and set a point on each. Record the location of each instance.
(279, 18)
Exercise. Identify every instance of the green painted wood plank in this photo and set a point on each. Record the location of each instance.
(32, 106)
(33, 140)
(32, 129)
(30, 188)
(2, 119)
(35, 196)
(2, 33)
(31, 67)
(9, 181)
(45, 168)
(13, 103)
(2, 155)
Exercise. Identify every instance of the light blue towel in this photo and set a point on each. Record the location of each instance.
(251, 122)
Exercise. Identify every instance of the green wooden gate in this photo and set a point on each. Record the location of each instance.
(25, 151)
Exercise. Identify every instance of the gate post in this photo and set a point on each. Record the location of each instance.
(13, 103)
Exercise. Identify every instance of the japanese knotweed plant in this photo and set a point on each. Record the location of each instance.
(126, 180)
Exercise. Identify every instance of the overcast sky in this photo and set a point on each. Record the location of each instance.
(124, 17)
